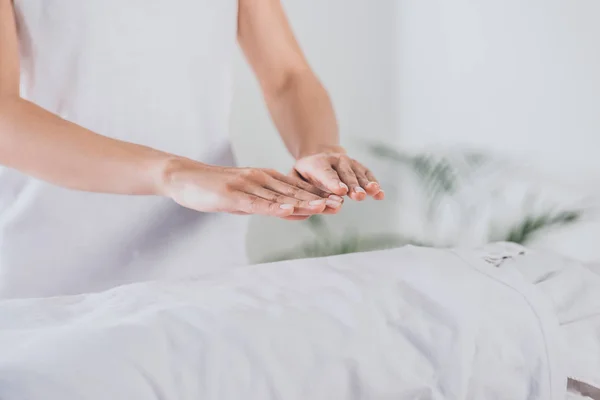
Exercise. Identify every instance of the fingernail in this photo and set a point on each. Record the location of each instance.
(343, 185)
(286, 206)
(358, 189)
(336, 198)
(333, 204)
(316, 202)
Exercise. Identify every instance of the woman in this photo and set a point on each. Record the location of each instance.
(105, 98)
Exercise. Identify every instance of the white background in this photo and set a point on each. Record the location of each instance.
(513, 75)
(517, 76)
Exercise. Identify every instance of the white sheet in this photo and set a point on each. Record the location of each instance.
(573, 289)
(410, 324)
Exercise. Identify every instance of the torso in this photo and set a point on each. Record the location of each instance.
(154, 72)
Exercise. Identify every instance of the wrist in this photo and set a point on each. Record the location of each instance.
(320, 148)
(169, 173)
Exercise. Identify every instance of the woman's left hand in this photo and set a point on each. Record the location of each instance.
(334, 171)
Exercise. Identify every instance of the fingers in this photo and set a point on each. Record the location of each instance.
(370, 176)
(294, 187)
(266, 192)
(297, 188)
(346, 173)
(330, 180)
(367, 180)
(380, 195)
(296, 181)
(339, 174)
(363, 181)
(303, 207)
(319, 171)
(272, 204)
(251, 204)
(375, 184)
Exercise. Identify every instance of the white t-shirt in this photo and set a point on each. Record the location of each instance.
(153, 72)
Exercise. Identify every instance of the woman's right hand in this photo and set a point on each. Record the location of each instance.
(210, 188)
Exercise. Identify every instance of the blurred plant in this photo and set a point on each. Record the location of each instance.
(532, 225)
(440, 176)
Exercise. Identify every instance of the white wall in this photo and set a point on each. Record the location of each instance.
(518, 76)
(350, 44)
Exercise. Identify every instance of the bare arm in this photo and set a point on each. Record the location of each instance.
(50, 148)
(299, 104)
(41, 144)
(297, 101)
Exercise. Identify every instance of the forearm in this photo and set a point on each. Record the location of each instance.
(303, 113)
(43, 145)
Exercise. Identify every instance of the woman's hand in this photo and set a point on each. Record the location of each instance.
(209, 188)
(333, 171)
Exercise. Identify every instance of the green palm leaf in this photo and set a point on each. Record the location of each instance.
(533, 225)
